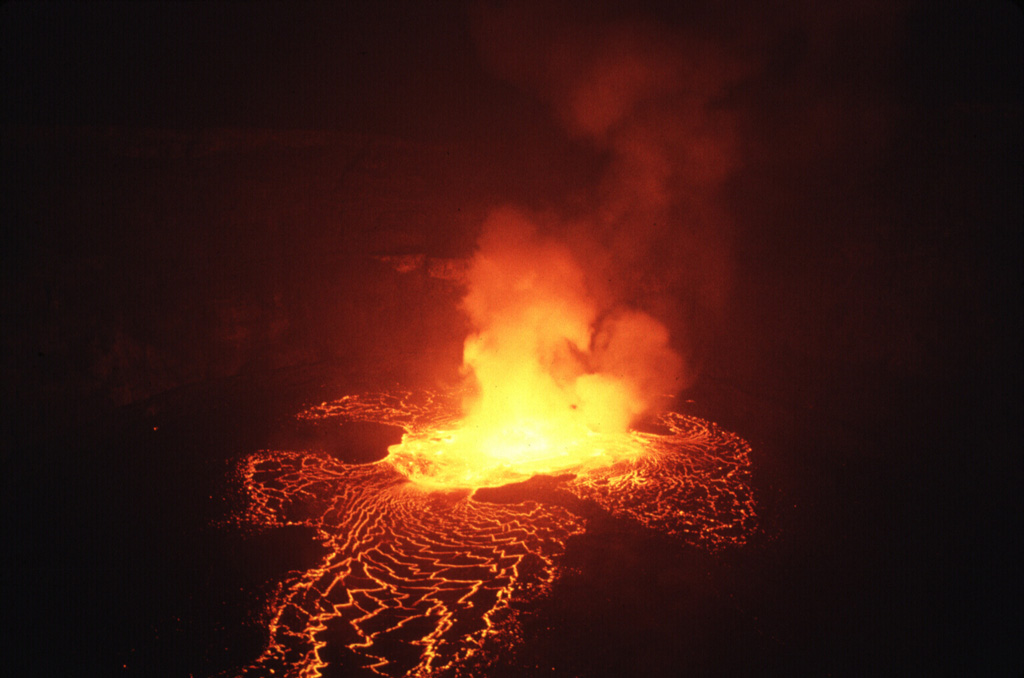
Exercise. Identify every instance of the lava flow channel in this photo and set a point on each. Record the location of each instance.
(422, 579)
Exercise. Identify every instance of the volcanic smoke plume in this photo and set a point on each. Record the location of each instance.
(546, 349)
(567, 303)
(649, 101)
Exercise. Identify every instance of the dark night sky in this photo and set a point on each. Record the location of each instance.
(398, 68)
(159, 238)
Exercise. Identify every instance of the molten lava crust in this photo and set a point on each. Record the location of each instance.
(422, 575)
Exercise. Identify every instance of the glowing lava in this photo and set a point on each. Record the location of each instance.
(420, 580)
(422, 572)
(557, 377)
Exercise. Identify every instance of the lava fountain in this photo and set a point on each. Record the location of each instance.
(554, 382)
(425, 564)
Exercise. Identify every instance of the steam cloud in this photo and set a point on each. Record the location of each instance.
(545, 343)
(559, 292)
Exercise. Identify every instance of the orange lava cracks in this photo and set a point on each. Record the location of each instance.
(423, 580)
